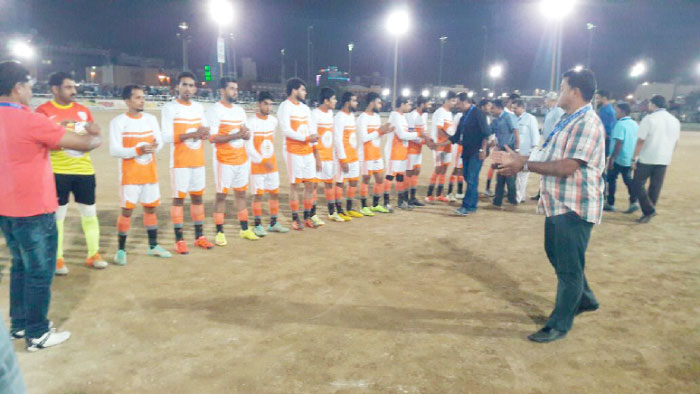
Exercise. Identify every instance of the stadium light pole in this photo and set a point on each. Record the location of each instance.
(182, 34)
(309, 56)
(282, 53)
(221, 11)
(351, 46)
(556, 11)
(590, 27)
(443, 39)
(233, 53)
(397, 25)
(21, 49)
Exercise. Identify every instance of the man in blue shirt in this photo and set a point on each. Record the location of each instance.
(623, 141)
(505, 127)
(606, 112)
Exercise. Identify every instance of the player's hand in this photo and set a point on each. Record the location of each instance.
(93, 129)
(318, 165)
(67, 122)
(268, 166)
(509, 162)
(634, 165)
(482, 156)
(145, 149)
(203, 133)
(245, 132)
(313, 138)
(385, 128)
(345, 167)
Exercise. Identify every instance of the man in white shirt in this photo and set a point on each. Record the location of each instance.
(656, 140)
(529, 140)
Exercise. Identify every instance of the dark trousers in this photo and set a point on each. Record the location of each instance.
(501, 182)
(655, 173)
(32, 241)
(626, 173)
(565, 241)
(472, 167)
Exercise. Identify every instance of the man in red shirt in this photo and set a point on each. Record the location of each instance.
(28, 195)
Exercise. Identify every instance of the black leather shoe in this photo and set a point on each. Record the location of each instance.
(547, 334)
(415, 202)
(589, 308)
(646, 218)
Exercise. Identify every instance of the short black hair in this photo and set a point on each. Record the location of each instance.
(262, 96)
(345, 98)
(12, 73)
(584, 80)
(129, 89)
(498, 103)
(421, 100)
(371, 96)
(326, 93)
(658, 100)
(223, 82)
(604, 93)
(402, 100)
(463, 97)
(513, 96)
(520, 103)
(57, 78)
(293, 84)
(484, 102)
(185, 74)
(624, 107)
(450, 95)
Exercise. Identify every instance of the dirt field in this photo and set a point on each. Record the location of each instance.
(414, 302)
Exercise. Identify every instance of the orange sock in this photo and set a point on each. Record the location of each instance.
(177, 215)
(123, 224)
(219, 218)
(338, 193)
(315, 196)
(197, 213)
(387, 186)
(257, 209)
(364, 190)
(414, 181)
(433, 179)
(460, 179)
(352, 191)
(378, 188)
(150, 221)
(243, 215)
(453, 179)
(489, 175)
(308, 204)
(294, 205)
(441, 179)
(330, 194)
(275, 207)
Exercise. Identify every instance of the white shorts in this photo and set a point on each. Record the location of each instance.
(327, 173)
(442, 158)
(265, 183)
(148, 195)
(414, 161)
(369, 167)
(187, 180)
(457, 156)
(352, 174)
(394, 167)
(301, 168)
(227, 177)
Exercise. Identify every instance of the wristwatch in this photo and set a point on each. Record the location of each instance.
(525, 167)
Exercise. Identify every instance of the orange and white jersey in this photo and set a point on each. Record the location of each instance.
(442, 128)
(368, 135)
(417, 121)
(322, 124)
(262, 130)
(178, 118)
(126, 134)
(295, 119)
(227, 119)
(345, 137)
(397, 147)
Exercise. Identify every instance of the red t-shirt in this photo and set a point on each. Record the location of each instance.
(27, 185)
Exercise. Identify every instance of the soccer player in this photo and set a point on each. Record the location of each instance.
(396, 153)
(134, 137)
(417, 121)
(265, 179)
(322, 124)
(232, 147)
(294, 117)
(370, 132)
(347, 160)
(73, 170)
(185, 128)
(441, 129)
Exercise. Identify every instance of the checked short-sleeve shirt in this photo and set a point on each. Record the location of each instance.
(582, 139)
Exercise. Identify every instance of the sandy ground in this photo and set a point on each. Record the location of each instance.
(414, 302)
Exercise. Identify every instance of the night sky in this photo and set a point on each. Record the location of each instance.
(665, 32)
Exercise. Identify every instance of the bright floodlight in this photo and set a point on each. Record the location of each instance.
(21, 49)
(443, 94)
(496, 71)
(405, 92)
(470, 94)
(397, 22)
(351, 46)
(630, 97)
(386, 92)
(638, 70)
(183, 26)
(221, 11)
(578, 68)
(425, 93)
(556, 9)
(490, 94)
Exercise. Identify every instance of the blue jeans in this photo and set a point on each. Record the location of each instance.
(472, 167)
(11, 381)
(32, 242)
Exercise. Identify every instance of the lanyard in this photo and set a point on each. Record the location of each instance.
(565, 122)
(11, 105)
